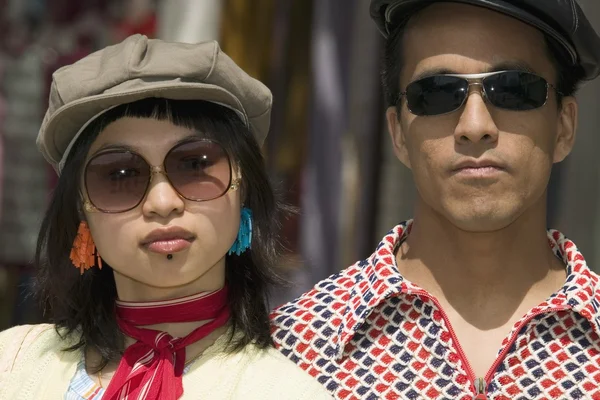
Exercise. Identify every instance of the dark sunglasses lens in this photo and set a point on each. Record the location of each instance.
(199, 170)
(116, 181)
(436, 95)
(517, 91)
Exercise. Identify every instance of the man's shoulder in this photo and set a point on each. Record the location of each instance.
(327, 298)
(313, 320)
(587, 297)
(363, 282)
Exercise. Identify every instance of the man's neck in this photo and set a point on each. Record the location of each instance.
(480, 275)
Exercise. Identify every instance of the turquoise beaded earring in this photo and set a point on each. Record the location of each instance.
(244, 237)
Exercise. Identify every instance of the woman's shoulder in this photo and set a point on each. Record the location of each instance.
(17, 343)
(281, 378)
(33, 364)
(272, 357)
(24, 335)
(251, 373)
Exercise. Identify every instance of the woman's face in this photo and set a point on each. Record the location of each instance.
(136, 243)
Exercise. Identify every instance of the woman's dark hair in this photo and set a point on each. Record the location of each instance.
(568, 76)
(83, 305)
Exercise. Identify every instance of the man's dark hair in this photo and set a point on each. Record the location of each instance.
(568, 76)
(84, 306)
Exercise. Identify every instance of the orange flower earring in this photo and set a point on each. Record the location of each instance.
(83, 253)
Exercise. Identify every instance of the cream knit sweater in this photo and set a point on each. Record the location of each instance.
(33, 367)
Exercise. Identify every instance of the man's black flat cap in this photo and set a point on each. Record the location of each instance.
(561, 20)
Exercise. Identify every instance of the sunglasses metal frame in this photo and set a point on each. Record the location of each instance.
(476, 80)
(234, 183)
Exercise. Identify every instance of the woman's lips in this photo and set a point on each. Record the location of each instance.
(168, 240)
(168, 246)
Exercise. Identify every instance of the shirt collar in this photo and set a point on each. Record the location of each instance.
(377, 278)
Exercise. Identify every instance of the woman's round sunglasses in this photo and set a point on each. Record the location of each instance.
(118, 180)
(445, 93)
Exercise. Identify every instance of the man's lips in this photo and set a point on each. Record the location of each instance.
(478, 171)
(484, 167)
(475, 163)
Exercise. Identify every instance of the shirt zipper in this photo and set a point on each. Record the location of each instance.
(480, 384)
(480, 387)
(516, 331)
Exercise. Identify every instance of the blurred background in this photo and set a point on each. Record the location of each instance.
(328, 150)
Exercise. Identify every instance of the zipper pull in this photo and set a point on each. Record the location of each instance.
(480, 387)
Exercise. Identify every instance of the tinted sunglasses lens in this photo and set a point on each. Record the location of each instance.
(436, 95)
(116, 181)
(518, 91)
(199, 170)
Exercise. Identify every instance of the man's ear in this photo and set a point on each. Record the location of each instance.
(397, 135)
(566, 128)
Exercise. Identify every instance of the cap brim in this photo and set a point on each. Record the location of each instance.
(61, 130)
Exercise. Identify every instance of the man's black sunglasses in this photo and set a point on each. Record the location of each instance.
(509, 90)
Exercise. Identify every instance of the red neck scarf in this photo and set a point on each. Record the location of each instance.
(152, 368)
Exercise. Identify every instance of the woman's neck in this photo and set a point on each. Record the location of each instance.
(174, 329)
(93, 359)
(182, 329)
(129, 289)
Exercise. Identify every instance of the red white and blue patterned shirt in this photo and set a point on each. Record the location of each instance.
(368, 333)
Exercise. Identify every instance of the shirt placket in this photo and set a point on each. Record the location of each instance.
(479, 385)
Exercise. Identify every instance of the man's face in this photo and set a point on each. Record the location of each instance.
(522, 145)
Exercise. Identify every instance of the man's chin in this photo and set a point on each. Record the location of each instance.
(482, 222)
